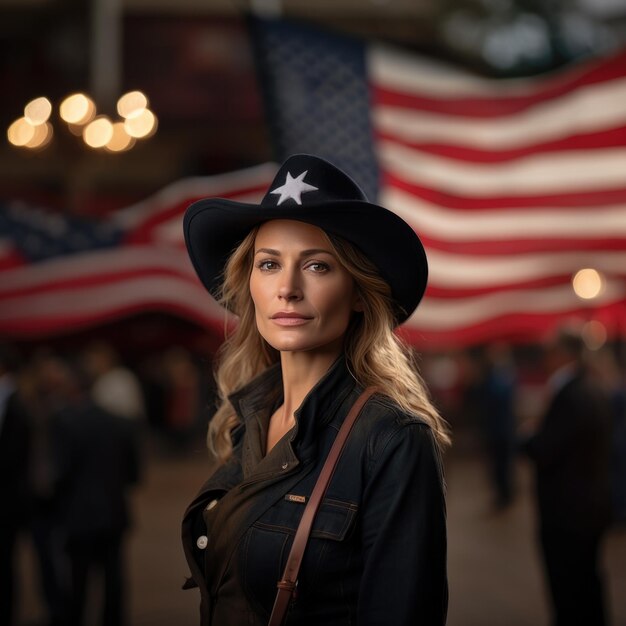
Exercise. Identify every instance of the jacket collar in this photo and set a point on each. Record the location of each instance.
(258, 398)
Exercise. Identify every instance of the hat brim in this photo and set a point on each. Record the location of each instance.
(214, 227)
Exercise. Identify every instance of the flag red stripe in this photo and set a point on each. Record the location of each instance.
(582, 199)
(101, 278)
(517, 328)
(143, 232)
(609, 138)
(522, 246)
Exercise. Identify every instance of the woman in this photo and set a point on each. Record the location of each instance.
(319, 278)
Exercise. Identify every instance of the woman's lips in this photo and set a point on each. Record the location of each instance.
(290, 319)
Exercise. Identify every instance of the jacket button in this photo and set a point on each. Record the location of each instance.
(211, 505)
(202, 542)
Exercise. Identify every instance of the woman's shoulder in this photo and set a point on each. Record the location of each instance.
(383, 418)
(391, 434)
(388, 412)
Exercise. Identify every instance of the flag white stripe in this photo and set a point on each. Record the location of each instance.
(444, 224)
(102, 299)
(553, 173)
(398, 70)
(438, 315)
(94, 263)
(547, 121)
(457, 271)
(198, 187)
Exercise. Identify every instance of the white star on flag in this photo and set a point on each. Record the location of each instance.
(293, 188)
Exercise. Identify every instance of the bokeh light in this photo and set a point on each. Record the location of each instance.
(38, 111)
(120, 140)
(588, 283)
(41, 138)
(132, 104)
(98, 133)
(20, 132)
(142, 126)
(77, 109)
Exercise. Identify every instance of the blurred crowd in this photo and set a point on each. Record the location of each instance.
(72, 431)
(74, 427)
(564, 413)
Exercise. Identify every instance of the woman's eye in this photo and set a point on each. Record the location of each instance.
(267, 266)
(318, 267)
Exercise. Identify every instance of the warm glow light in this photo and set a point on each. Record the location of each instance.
(38, 111)
(120, 140)
(98, 133)
(141, 126)
(42, 136)
(594, 334)
(77, 109)
(587, 284)
(34, 130)
(20, 132)
(132, 104)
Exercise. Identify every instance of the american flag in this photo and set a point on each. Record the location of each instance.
(512, 185)
(59, 274)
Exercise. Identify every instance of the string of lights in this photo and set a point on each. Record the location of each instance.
(34, 130)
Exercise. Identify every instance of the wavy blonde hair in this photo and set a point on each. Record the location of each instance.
(375, 354)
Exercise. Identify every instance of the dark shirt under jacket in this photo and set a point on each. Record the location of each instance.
(377, 552)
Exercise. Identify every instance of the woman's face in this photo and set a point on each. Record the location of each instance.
(303, 296)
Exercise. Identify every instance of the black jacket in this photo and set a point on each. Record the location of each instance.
(15, 451)
(377, 553)
(571, 453)
(98, 460)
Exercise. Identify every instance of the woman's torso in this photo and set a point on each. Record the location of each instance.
(238, 531)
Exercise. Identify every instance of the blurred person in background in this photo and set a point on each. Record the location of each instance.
(182, 396)
(114, 387)
(571, 452)
(15, 494)
(619, 451)
(53, 393)
(319, 278)
(494, 394)
(606, 367)
(98, 462)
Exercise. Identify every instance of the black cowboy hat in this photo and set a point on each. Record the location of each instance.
(312, 190)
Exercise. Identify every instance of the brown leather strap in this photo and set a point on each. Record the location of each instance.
(287, 585)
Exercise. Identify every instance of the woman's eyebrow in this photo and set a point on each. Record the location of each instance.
(267, 251)
(302, 253)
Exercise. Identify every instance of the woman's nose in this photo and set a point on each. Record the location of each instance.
(289, 288)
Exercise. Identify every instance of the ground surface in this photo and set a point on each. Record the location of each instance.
(495, 575)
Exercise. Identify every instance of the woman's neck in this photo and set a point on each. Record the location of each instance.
(301, 371)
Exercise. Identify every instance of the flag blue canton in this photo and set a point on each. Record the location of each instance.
(41, 235)
(317, 96)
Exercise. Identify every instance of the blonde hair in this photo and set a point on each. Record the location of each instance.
(375, 355)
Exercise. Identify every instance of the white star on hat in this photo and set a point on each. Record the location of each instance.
(293, 188)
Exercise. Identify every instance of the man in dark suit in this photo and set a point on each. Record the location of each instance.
(571, 452)
(14, 480)
(98, 460)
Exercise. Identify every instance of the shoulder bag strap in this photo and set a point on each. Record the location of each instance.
(287, 585)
